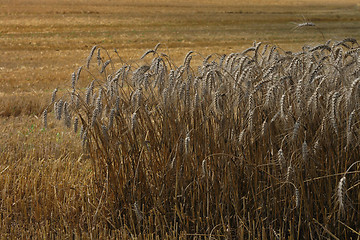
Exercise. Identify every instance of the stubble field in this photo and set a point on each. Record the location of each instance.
(51, 188)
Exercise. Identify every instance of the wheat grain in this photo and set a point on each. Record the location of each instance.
(90, 56)
(251, 102)
(147, 52)
(85, 139)
(305, 152)
(350, 40)
(206, 59)
(334, 98)
(59, 108)
(111, 118)
(156, 47)
(94, 117)
(296, 130)
(73, 80)
(82, 130)
(281, 159)
(321, 47)
(263, 128)
(264, 49)
(269, 95)
(257, 47)
(204, 168)
(117, 104)
(187, 59)
(282, 106)
(54, 95)
(133, 121)
(241, 136)
(297, 197)
(251, 120)
(216, 101)
(289, 173)
(78, 74)
(99, 104)
(104, 66)
(67, 117)
(269, 71)
(339, 57)
(98, 57)
(76, 124)
(341, 191)
(55, 109)
(315, 72)
(276, 115)
(187, 143)
(228, 60)
(88, 96)
(316, 147)
(299, 94)
(250, 49)
(305, 24)
(351, 91)
(271, 53)
(187, 96)
(138, 213)
(45, 118)
(196, 101)
(349, 130)
(105, 133)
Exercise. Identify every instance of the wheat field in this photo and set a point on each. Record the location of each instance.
(162, 120)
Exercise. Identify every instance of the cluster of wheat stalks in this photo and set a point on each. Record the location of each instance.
(257, 143)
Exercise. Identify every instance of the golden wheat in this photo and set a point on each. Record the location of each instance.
(161, 137)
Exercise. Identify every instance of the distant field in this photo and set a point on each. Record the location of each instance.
(43, 42)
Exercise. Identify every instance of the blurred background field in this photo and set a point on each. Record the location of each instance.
(43, 42)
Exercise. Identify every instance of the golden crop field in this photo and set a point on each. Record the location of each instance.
(241, 124)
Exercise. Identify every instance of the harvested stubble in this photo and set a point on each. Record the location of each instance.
(253, 144)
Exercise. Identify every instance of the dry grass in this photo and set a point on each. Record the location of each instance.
(211, 154)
